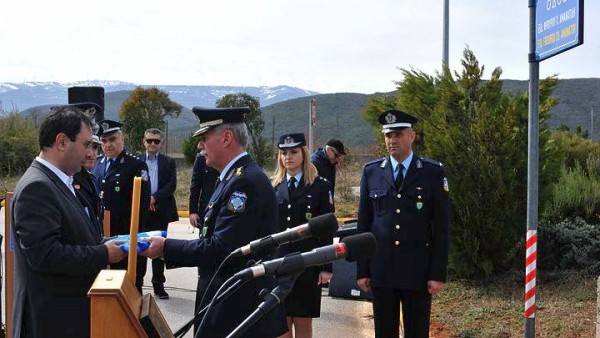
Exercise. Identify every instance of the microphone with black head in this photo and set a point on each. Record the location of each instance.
(320, 226)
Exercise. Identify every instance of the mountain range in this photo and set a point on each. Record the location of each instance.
(285, 109)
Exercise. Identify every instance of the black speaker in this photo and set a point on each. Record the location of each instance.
(343, 282)
(88, 94)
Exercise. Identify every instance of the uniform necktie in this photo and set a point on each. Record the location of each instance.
(109, 163)
(292, 185)
(399, 176)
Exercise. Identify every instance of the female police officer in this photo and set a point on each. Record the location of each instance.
(301, 195)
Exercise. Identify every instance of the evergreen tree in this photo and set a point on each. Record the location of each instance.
(143, 109)
(258, 147)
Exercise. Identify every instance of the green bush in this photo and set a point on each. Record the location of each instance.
(18, 144)
(571, 244)
(576, 149)
(189, 149)
(576, 193)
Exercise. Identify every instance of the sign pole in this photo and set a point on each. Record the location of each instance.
(532, 177)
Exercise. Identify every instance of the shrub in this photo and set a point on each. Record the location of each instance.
(570, 244)
(18, 144)
(189, 149)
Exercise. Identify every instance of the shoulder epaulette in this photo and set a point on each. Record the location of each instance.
(430, 161)
(377, 161)
(322, 178)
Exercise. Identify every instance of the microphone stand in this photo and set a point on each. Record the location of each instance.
(272, 299)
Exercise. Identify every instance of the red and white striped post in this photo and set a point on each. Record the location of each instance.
(530, 273)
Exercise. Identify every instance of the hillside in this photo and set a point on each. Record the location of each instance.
(338, 115)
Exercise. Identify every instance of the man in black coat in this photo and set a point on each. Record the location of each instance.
(326, 159)
(57, 246)
(404, 202)
(163, 209)
(116, 169)
(242, 208)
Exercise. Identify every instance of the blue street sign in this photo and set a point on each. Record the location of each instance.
(558, 27)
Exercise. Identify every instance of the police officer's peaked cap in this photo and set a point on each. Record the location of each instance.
(109, 127)
(288, 141)
(212, 117)
(392, 120)
(87, 107)
(96, 139)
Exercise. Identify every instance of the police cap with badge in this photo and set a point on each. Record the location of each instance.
(212, 117)
(108, 127)
(394, 120)
(289, 141)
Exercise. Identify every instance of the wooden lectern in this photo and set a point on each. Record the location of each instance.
(117, 308)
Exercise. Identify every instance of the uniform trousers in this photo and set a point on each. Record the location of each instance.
(416, 309)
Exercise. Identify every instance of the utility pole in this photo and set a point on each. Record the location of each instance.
(446, 32)
(592, 124)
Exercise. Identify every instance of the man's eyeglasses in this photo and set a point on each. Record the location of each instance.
(152, 140)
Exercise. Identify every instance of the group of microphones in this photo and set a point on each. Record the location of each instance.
(287, 268)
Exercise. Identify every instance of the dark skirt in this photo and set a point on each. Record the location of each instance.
(305, 298)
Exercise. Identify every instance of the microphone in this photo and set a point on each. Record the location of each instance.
(319, 226)
(351, 248)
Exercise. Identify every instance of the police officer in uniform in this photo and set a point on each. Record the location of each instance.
(242, 208)
(404, 202)
(116, 169)
(301, 195)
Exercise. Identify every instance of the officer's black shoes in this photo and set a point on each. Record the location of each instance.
(159, 291)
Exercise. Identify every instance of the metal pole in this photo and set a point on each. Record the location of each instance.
(532, 178)
(592, 124)
(167, 137)
(446, 31)
(310, 128)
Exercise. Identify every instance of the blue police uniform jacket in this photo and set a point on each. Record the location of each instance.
(411, 224)
(242, 208)
(324, 167)
(116, 190)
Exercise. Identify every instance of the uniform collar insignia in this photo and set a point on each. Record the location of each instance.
(419, 164)
(383, 164)
(288, 140)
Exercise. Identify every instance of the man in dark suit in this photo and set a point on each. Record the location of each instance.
(163, 209)
(116, 169)
(326, 159)
(57, 247)
(404, 202)
(242, 208)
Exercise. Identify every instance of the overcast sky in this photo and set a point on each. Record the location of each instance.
(326, 46)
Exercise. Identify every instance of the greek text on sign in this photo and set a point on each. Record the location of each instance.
(557, 26)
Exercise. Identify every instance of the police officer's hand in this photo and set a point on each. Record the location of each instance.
(364, 284)
(324, 277)
(156, 248)
(434, 286)
(115, 253)
(194, 219)
(152, 206)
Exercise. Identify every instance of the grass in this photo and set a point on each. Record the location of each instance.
(566, 307)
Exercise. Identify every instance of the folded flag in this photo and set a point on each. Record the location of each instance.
(142, 243)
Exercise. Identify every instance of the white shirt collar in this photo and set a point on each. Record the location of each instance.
(226, 169)
(67, 180)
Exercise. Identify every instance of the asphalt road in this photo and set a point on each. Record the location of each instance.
(339, 317)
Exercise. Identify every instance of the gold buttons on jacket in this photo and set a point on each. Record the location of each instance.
(289, 206)
(288, 218)
(399, 195)
(397, 211)
(397, 243)
(397, 226)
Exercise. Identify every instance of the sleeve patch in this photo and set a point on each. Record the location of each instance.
(237, 202)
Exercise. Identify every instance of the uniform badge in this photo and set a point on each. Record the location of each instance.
(308, 216)
(204, 230)
(390, 118)
(117, 188)
(330, 198)
(238, 171)
(237, 201)
(419, 205)
(101, 194)
(105, 125)
(144, 175)
(446, 188)
(76, 186)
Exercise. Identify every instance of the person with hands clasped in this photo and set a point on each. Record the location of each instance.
(301, 195)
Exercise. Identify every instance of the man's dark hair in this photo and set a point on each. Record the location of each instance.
(65, 120)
